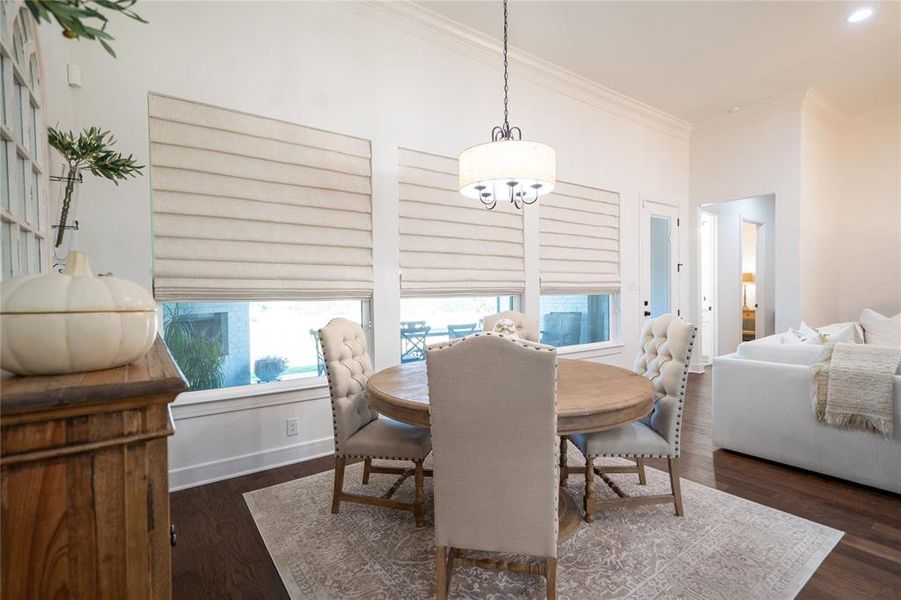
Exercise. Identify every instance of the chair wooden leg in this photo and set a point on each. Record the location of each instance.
(551, 576)
(339, 483)
(564, 475)
(642, 479)
(367, 464)
(418, 504)
(676, 485)
(442, 574)
(588, 500)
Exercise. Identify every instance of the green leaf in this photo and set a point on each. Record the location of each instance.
(75, 16)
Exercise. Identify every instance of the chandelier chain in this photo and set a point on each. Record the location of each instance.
(506, 76)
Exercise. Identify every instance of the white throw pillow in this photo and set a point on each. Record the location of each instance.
(831, 330)
(881, 330)
(505, 327)
(836, 333)
(810, 335)
(845, 335)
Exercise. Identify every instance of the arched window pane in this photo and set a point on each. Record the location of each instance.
(24, 221)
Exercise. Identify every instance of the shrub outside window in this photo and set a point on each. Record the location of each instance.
(228, 344)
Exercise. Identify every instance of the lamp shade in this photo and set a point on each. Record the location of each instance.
(747, 278)
(496, 170)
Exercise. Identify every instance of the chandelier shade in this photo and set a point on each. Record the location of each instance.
(514, 170)
(507, 168)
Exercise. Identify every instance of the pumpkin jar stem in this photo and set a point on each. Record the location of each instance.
(77, 264)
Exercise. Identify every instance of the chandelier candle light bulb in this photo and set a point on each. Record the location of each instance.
(507, 167)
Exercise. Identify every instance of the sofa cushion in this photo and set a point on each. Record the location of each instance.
(785, 348)
(881, 330)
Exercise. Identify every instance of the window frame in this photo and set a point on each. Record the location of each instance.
(516, 302)
(612, 346)
(29, 231)
(255, 390)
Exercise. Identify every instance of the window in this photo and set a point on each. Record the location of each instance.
(227, 344)
(576, 319)
(429, 320)
(22, 151)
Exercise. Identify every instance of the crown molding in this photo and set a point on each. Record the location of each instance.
(875, 115)
(818, 104)
(772, 105)
(433, 27)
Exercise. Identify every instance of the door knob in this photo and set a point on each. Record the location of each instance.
(647, 313)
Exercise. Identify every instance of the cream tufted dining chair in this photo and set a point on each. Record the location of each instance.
(359, 432)
(495, 461)
(526, 326)
(666, 345)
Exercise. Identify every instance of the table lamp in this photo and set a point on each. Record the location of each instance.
(746, 278)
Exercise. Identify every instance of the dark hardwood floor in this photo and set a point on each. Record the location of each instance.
(220, 553)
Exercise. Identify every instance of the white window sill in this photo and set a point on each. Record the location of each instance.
(308, 386)
(591, 350)
(316, 388)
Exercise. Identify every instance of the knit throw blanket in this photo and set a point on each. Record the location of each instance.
(854, 386)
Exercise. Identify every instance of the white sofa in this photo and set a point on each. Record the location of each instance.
(762, 407)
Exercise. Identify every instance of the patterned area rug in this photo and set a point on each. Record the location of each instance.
(724, 546)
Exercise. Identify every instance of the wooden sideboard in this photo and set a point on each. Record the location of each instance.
(84, 478)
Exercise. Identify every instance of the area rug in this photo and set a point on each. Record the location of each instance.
(724, 546)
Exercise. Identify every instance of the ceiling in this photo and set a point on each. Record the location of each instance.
(696, 60)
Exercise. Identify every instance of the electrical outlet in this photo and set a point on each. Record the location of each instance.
(292, 424)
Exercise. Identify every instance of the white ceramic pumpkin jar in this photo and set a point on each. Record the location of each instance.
(71, 322)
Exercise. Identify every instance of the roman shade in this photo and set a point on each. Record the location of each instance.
(449, 244)
(579, 240)
(251, 208)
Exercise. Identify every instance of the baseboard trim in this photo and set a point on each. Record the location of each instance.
(235, 466)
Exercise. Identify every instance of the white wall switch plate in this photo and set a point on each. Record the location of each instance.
(292, 425)
(73, 74)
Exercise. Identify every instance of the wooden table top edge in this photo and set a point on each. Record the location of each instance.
(393, 406)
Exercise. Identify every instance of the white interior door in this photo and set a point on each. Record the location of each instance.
(760, 287)
(660, 265)
(707, 255)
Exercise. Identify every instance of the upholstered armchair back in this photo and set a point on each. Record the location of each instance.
(666, 345)
(348, 367)
(495, 448)
(526, 326)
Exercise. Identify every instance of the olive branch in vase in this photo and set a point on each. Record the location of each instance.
(91, 150)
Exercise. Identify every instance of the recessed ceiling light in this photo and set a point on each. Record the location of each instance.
(861, 14)
(734, 109)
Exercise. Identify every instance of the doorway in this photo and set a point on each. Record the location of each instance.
(708, 271)
(660, 265)
(749, 267)
(736, 296)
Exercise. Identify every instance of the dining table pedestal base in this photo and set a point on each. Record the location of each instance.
(569, 517)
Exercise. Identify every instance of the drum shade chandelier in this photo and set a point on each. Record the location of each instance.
(507, 167)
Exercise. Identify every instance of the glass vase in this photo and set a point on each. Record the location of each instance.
(64, 234)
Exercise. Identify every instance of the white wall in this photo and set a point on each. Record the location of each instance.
(838, 202)
(749, 156)
(868, 234)
(330, 66)
(822, 170)
(729, 268)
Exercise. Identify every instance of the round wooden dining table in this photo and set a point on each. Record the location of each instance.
(590, 397)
